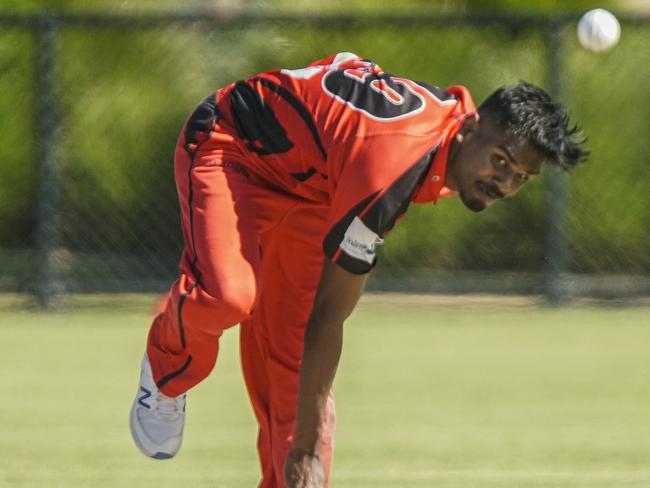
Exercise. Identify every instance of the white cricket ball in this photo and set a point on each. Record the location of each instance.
(598, 30)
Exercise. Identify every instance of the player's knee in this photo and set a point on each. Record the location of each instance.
(238, 298)
(204, 364)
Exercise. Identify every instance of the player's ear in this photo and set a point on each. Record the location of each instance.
(469, 125)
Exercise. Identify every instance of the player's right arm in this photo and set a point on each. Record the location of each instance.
(372, 191)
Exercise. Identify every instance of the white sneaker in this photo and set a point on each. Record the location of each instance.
(157, 420)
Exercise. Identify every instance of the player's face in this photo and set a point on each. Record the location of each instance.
(490, 165)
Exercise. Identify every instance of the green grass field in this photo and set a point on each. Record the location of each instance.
(431, 392)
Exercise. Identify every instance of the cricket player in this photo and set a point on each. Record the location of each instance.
(287, 183)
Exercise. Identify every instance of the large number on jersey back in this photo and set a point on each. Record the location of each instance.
(377, 95)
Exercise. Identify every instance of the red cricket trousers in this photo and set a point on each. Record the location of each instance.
(253, 257)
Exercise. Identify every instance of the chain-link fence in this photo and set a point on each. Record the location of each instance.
(96, 102)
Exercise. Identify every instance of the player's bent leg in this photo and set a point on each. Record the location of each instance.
(217, 287)
(178, 359)
(183, 341)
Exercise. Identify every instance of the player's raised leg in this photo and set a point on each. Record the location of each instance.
(216, 289)
(271, 340)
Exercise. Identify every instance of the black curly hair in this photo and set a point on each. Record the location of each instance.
(529, 112)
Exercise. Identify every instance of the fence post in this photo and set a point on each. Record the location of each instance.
(47, 284)
(556, 243)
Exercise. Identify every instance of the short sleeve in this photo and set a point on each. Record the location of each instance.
(379, 176)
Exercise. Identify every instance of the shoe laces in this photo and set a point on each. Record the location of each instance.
(168, 408)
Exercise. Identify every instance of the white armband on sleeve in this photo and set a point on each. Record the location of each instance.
(360, 242)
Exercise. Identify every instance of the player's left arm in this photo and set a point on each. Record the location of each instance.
(337, 294)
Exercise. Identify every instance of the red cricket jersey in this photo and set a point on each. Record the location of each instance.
(343, 132)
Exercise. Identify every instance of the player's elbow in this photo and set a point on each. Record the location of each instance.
(320, 326)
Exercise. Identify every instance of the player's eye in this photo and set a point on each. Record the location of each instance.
(499, 162)
(522, 177)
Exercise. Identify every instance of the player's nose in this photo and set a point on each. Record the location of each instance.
(501, 185)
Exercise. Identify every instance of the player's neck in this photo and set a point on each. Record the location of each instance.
(450, 179)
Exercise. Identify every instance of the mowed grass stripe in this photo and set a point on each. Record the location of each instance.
(445, 392)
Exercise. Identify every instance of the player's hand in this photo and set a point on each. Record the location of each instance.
(303, 470)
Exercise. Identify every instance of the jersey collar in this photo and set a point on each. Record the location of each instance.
(433, 187)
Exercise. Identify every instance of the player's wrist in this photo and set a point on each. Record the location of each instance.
(304, 451)
(307, 442)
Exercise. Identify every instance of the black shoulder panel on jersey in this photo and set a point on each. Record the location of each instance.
(384, 212)
(202, 121)
(378, 215)
(436, 91)
(197, 130)
(298, 107)
(256, 123)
